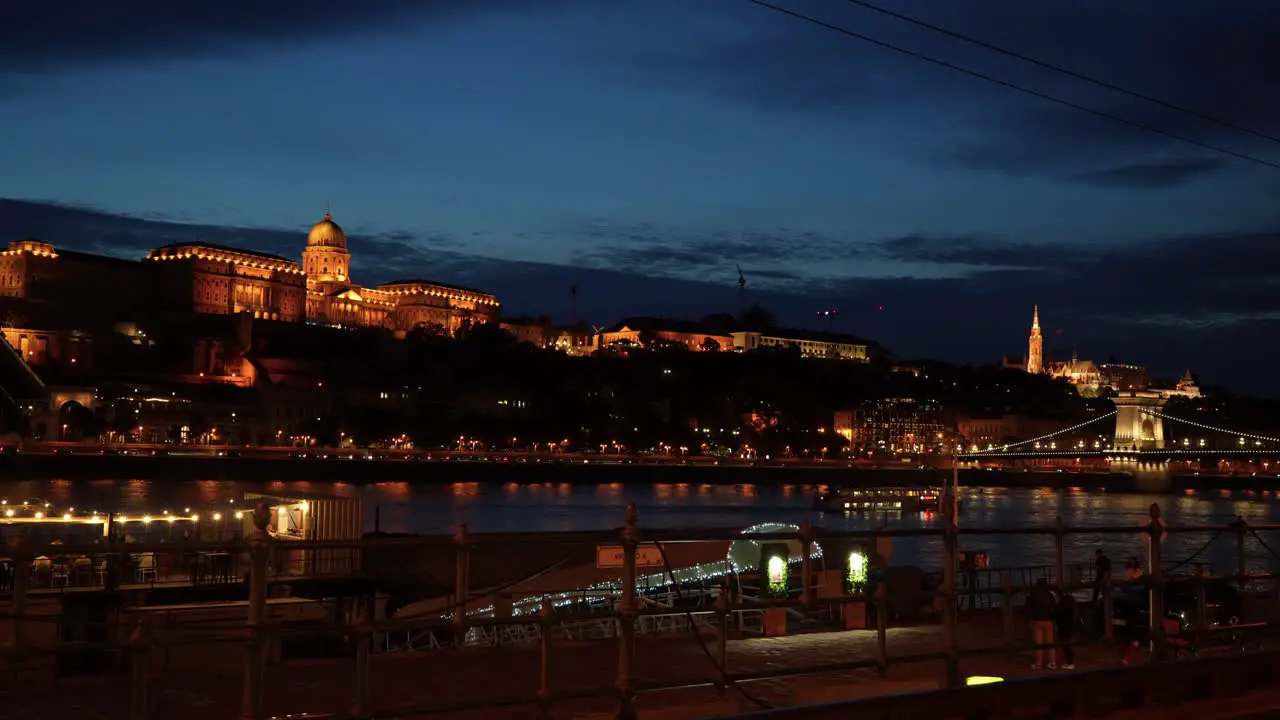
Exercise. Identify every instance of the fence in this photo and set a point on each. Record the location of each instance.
(269, 623)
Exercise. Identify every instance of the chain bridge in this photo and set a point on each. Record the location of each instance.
(1144, 438)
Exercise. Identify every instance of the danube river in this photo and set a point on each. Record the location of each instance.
(511, 507)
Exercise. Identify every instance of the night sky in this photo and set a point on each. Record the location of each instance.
(643, 148)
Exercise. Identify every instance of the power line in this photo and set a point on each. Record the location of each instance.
(1013, 86)
(1065, 71)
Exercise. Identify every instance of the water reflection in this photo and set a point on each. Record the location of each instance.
(511, 507)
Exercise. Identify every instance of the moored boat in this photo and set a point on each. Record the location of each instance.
(879, 499)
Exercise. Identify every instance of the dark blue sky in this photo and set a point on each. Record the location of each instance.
(530, 144)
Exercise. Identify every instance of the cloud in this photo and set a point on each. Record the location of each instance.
(42, 36)
(710, 256)
(1167, 301)
(1196, 55)
(1156, 175)
(94, 230)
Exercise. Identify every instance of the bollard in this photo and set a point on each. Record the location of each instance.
(627, 616)
(255, 654)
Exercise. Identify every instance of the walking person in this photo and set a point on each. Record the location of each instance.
(1040, 611)
(1065, 623)
(1101, 573)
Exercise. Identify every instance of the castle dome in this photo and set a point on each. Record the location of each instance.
(327, 234)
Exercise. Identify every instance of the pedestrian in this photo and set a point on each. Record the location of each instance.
(1065, 623)
(1101, 573)
(1040, 611)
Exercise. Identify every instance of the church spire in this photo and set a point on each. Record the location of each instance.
(1035, 344)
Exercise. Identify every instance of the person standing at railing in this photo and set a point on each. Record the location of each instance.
(1040, 611)
(1101, 573)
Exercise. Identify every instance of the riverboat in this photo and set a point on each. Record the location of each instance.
(897, 499)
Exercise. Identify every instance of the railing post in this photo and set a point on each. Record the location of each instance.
(1202, 612)
(951, 539)
(1060, 559)
(1006, 608)
(627, 616)
(139, 656)
(1155, 602)
(806, 564)
(1108, 611)
(461, 583)
(722, 643)
(882, 630)
(256, 654)
(1242, 566)
(362, 636)
(21, 581)
(544, 648)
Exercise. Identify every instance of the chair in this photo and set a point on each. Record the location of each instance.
(147, 567)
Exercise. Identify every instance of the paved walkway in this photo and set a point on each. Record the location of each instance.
(450, 678)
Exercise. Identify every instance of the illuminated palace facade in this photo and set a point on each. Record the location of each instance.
(211, 279)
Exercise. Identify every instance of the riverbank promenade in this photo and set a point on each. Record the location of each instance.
(609, 638)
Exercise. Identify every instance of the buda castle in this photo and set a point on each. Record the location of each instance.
(203, 278)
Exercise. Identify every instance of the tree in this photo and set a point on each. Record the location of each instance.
(757, 318)
(711, 345)
(428, 330)
(719, 323)
(124, 418)
(647, 337)
(81, 422)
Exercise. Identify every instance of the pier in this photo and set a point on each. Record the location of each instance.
(623, 623)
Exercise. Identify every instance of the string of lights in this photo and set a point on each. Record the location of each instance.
(1014, 86)
(1064, 71)
(1052, 435)
(1202, 426)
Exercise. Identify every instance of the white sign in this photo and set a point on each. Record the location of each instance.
(611, 556)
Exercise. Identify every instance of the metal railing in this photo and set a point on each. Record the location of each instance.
(627, 617)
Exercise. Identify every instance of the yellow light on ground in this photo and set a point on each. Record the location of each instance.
(777, 569)
(857, 568)
(982, 680)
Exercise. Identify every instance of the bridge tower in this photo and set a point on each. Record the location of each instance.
(1137, 425)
